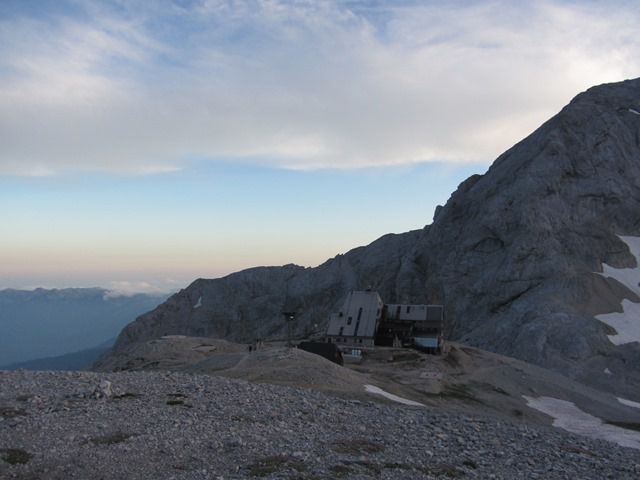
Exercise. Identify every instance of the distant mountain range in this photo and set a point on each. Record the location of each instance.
(81, 360)
(521, 256)
(41, 323)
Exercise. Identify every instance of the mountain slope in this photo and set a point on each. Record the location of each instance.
(248, 305)
(517, 248)
(515, 255)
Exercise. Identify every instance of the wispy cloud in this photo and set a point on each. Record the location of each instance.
(139, 87)
(124, 288)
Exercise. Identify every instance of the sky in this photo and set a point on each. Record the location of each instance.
(146, 144)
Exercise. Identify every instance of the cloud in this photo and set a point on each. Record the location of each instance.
(140, 87)
(124, 288)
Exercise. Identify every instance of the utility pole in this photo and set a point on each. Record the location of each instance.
(289, 318)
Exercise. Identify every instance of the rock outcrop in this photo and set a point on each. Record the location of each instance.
(515, 254)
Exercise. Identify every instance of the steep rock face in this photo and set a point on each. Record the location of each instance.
(512, 254)
(514, 250)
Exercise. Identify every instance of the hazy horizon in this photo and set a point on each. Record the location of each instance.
(145, 145)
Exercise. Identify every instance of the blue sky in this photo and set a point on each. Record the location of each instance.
(164, 230)
(144, 144)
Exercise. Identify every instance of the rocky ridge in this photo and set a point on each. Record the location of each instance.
(514, 254)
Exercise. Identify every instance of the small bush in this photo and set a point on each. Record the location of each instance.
(15, 456)
(356, 446)
(10, 412)
(269, 465)
(112, 439)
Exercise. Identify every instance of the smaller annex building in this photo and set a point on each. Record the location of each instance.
(364, 321)
(411, 326)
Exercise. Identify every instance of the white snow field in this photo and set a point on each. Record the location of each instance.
(570, 418)
(198, 303)
(632, 110)
(629, 403)
(378, 391)
(627, 323)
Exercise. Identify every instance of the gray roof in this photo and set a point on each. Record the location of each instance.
(358, 316)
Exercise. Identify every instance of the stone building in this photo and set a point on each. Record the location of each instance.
(364, 321)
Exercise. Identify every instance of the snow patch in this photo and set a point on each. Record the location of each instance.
(627, 323)
(629, 403)
(633, 110)
(629, 277)
(378, 391)
(570, 418)
(607, 371)
(198, 303)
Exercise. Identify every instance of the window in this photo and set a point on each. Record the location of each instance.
(355, 331)
(408, 308)
(341, 330)
(349, 320)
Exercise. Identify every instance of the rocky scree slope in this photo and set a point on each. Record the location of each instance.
(161, 425)
(514, 254)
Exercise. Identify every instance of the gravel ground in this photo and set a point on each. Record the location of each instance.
(157, 425)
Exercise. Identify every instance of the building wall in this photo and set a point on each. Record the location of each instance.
(359, 342)
(398, 311)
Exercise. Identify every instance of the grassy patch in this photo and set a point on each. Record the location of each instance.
(340, 471)
(499, 390)
(578, 450)
(459, 392)
(179, 403)
(275, 463)
(356, 446)
(126, 395)
(470, 464)
(405, 357)
(10, 412)
(241, 418)
(112, 439)
(15, 456)
(398, 466)
(443, 470)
